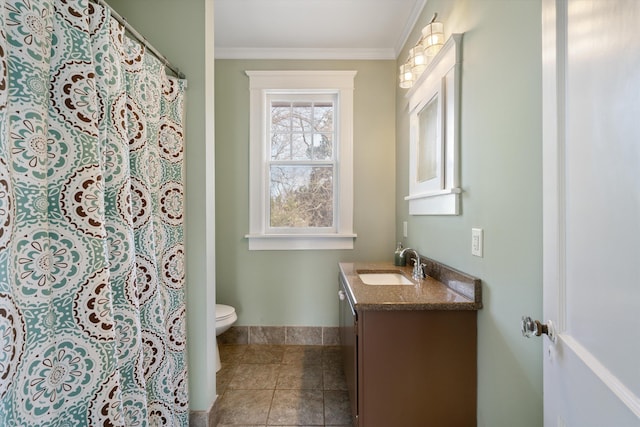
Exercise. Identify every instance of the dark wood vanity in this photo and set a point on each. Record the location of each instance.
(409, 351)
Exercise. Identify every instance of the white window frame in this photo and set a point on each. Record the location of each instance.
(313, 97)
(262, 84)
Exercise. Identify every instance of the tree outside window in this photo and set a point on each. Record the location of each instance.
(301, 169)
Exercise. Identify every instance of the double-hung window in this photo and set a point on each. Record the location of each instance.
(301, 159)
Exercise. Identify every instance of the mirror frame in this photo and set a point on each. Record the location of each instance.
(440, 194)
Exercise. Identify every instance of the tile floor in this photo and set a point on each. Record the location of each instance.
(282, 385)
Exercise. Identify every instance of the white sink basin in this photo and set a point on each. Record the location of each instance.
(384, 279)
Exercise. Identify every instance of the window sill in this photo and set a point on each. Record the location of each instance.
(443, 202)
(283, 242)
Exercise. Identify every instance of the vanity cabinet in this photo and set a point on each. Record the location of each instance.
(409, 367)
(349, 344)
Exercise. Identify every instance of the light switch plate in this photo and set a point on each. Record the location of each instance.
(404, 229)
(477, 241)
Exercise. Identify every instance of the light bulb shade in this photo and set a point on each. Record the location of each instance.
(417, 61)
(406, 76)
(432, 38)
(417, 57)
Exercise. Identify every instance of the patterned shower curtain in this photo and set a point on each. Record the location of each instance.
(92, 304)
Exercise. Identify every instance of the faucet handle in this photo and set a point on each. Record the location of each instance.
(418, 269)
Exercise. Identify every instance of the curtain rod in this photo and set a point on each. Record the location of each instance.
(141, 39)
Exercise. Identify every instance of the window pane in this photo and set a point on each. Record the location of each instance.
(323, 146)
(301, 196)
(280, 146)
(323, 117)
(280, 117)
(302, 130)
(301, 146)
(301, 117)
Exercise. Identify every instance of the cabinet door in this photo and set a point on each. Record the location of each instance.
(417, 368)
(349, 343)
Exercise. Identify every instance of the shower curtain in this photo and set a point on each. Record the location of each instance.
(92, 266)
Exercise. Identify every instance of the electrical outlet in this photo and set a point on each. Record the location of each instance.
(404, 229)
(476, 241)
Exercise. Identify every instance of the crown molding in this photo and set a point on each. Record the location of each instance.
(416, 12)
(304, 53)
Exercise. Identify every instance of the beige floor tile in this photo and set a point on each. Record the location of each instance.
(231, 353)
(310, 388)
(240, 425)
(298, 377)
(332, 356)
(267, 334)
(304, 335)
(306, 355)
(297, 407)
(263, 354)
(224, 376)
(248, 407)
(255, 376)
(337, 409)
(333, 378)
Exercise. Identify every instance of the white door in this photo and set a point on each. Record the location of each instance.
(591, 160)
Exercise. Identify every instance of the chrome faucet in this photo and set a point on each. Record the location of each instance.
(418, 273)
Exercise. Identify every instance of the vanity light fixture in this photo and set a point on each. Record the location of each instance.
(417, 59)
(406, 76)
(422, 53)
(433, 37)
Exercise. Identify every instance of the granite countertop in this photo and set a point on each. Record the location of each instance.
(461, 291)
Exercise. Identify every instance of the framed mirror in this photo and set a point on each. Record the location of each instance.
(429, 148)
(434, 184)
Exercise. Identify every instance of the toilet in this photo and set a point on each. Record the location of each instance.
(225, 317)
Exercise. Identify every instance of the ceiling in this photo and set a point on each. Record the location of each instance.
(313, 29)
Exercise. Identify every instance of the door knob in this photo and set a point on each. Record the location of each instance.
(530, 327)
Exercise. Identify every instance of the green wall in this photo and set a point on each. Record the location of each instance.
(298, 288)
(501, 178)
(179, 31)
(501, 174)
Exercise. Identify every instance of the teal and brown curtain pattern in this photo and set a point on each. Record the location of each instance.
(92, 259)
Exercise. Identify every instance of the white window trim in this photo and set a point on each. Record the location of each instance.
(334, 82)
